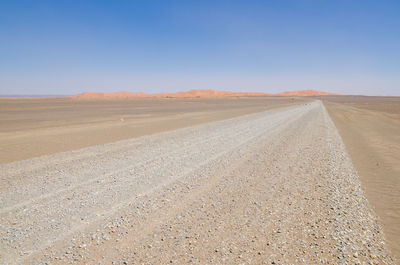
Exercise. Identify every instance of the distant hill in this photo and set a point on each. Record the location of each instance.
(183, 94)
(305, 93)
(209, 93)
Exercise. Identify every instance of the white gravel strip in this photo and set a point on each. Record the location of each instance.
(51, 199)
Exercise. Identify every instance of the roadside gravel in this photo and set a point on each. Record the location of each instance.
(275, 187)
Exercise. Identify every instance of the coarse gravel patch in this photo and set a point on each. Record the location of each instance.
(269, 188)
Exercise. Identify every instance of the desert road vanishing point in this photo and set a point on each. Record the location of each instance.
(275, 187)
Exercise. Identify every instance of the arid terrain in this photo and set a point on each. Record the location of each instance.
(370, 128)
(34, 127)
(195, 93)
(238, 180)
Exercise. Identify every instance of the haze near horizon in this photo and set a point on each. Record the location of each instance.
(67, 47)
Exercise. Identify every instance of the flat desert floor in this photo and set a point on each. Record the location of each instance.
(370, 128)
(34, 127)
(202, 181)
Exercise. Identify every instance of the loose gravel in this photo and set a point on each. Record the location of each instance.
(269, 188)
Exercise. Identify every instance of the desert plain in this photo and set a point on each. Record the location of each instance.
(235, 180)
(370, 129)
(33, 127)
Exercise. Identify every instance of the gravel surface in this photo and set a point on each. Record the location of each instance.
(269, 188)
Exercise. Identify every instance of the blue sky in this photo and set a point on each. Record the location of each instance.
(66, 47)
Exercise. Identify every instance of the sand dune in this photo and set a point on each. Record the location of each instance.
(183, 94)
(195, 94)
(305, 93)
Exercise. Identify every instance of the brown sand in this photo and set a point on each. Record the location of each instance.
(275, 187)
(35, 127)
(370, 128)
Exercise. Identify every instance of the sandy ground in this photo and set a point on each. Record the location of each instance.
(274, 187)
(34, 127)
(370, 128)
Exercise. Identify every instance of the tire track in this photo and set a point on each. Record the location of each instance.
(30, 225)
(128, 166)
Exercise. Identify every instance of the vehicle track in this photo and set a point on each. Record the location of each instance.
(83, 173)
(68, 195)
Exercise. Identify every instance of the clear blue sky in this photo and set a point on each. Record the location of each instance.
(66, 47)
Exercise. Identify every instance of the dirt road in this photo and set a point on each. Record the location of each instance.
(31, 127)
(275, 187)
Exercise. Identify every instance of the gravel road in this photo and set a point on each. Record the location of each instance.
(275, 187)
